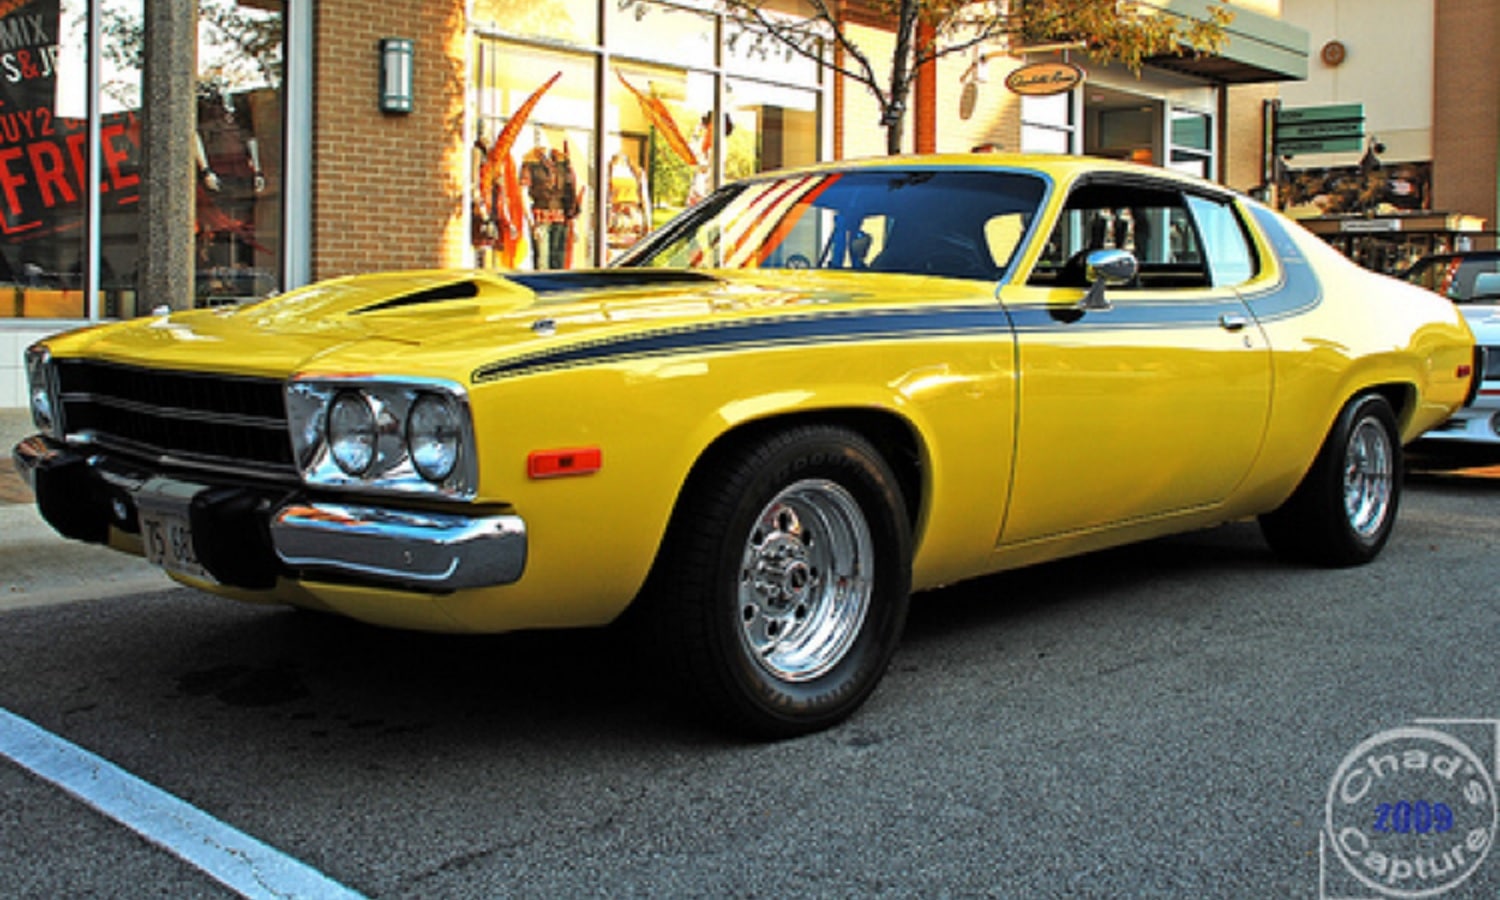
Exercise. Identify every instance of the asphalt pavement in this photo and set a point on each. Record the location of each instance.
(37, 566)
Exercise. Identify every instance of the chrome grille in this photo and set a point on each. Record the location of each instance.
(184, 417)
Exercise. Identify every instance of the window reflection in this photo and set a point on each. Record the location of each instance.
(574, 21)
(955, 224)
(238, 151)
(777, 127)
(668, 32)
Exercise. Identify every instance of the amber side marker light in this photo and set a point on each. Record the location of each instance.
(1472, 372)
(560, 463)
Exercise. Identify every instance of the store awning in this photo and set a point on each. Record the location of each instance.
(1258, 48)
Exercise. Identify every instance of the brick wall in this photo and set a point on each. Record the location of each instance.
(386, 190)
(1243, 130)
(995, 114)
(1466, 108)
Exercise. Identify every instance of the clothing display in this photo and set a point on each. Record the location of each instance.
(628, 202)
(549, 181)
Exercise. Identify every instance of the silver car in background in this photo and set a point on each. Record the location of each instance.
(1472, 281)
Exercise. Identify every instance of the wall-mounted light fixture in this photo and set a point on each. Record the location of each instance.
(395, 75)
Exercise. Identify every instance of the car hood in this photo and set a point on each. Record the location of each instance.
(446, 322)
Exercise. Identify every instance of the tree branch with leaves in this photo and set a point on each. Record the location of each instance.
(925, 31)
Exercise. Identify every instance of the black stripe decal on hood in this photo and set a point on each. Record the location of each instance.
(780, 332)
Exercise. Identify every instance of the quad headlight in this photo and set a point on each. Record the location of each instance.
(42, 391)
(383, 434)
(351, 432)
(434, 436)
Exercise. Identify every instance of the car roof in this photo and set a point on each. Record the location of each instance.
(1061, 168)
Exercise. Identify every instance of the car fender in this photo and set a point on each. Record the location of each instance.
(653, 420)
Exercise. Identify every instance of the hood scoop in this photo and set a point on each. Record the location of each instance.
(602, 279)
(457, 290)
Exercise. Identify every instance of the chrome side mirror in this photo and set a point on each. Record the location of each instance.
(1106, 268)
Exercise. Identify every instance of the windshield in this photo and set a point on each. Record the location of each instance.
(949, 223)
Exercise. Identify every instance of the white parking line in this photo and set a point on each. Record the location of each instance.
(230, 857)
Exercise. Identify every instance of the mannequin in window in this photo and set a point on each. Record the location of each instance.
(629, 200)
(229, 180)
(495, 229)
(552, 189)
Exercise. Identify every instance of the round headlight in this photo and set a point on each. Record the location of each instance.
(433, 435)
(351, 432)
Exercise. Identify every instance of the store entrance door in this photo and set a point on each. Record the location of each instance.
(1121, 125)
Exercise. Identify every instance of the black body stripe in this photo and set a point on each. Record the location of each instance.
(782, 331)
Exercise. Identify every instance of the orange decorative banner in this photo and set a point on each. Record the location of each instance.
(498, 164)
(656, 111)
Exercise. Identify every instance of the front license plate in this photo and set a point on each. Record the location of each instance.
(169, 543)
(166, 531)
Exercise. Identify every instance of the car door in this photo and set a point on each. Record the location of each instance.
(1156, 403)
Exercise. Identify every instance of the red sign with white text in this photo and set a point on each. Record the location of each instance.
(44, 156)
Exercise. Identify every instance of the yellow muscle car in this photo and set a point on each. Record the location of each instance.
(801, 400)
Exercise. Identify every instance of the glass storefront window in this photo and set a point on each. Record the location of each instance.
(775, 127)
(1048, 124)
(44, 156)
(660, 120)
(1192, 143)
(532, 175)
(661, 31)
(652, 136)
(45, 252)
(747, 53)
(570, 21)
(120, 133)
(238, 150)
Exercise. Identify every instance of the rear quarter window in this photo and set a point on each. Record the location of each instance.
(1231, 257)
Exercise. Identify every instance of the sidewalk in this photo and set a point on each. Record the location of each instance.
(15, 424)
(37, 566)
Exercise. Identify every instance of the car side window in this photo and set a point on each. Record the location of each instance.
(1231, 260)
(1152, 222)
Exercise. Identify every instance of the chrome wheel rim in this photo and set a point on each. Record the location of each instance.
(1368, 478)
(805, 581)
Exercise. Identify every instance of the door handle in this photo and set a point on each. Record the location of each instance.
(1233, 322)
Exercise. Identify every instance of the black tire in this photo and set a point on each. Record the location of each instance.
(782, 588)
(1343, 511)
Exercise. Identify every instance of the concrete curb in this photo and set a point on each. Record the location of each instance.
(39, 567)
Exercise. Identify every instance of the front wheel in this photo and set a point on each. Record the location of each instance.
(783, 586)
(1343, 511)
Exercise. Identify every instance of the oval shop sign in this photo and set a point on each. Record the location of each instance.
(1038, 79)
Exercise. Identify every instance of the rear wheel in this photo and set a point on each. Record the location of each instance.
(782, 589)
(1343, 511)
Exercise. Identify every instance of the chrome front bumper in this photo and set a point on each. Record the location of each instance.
(82, 495)
(427, 551)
